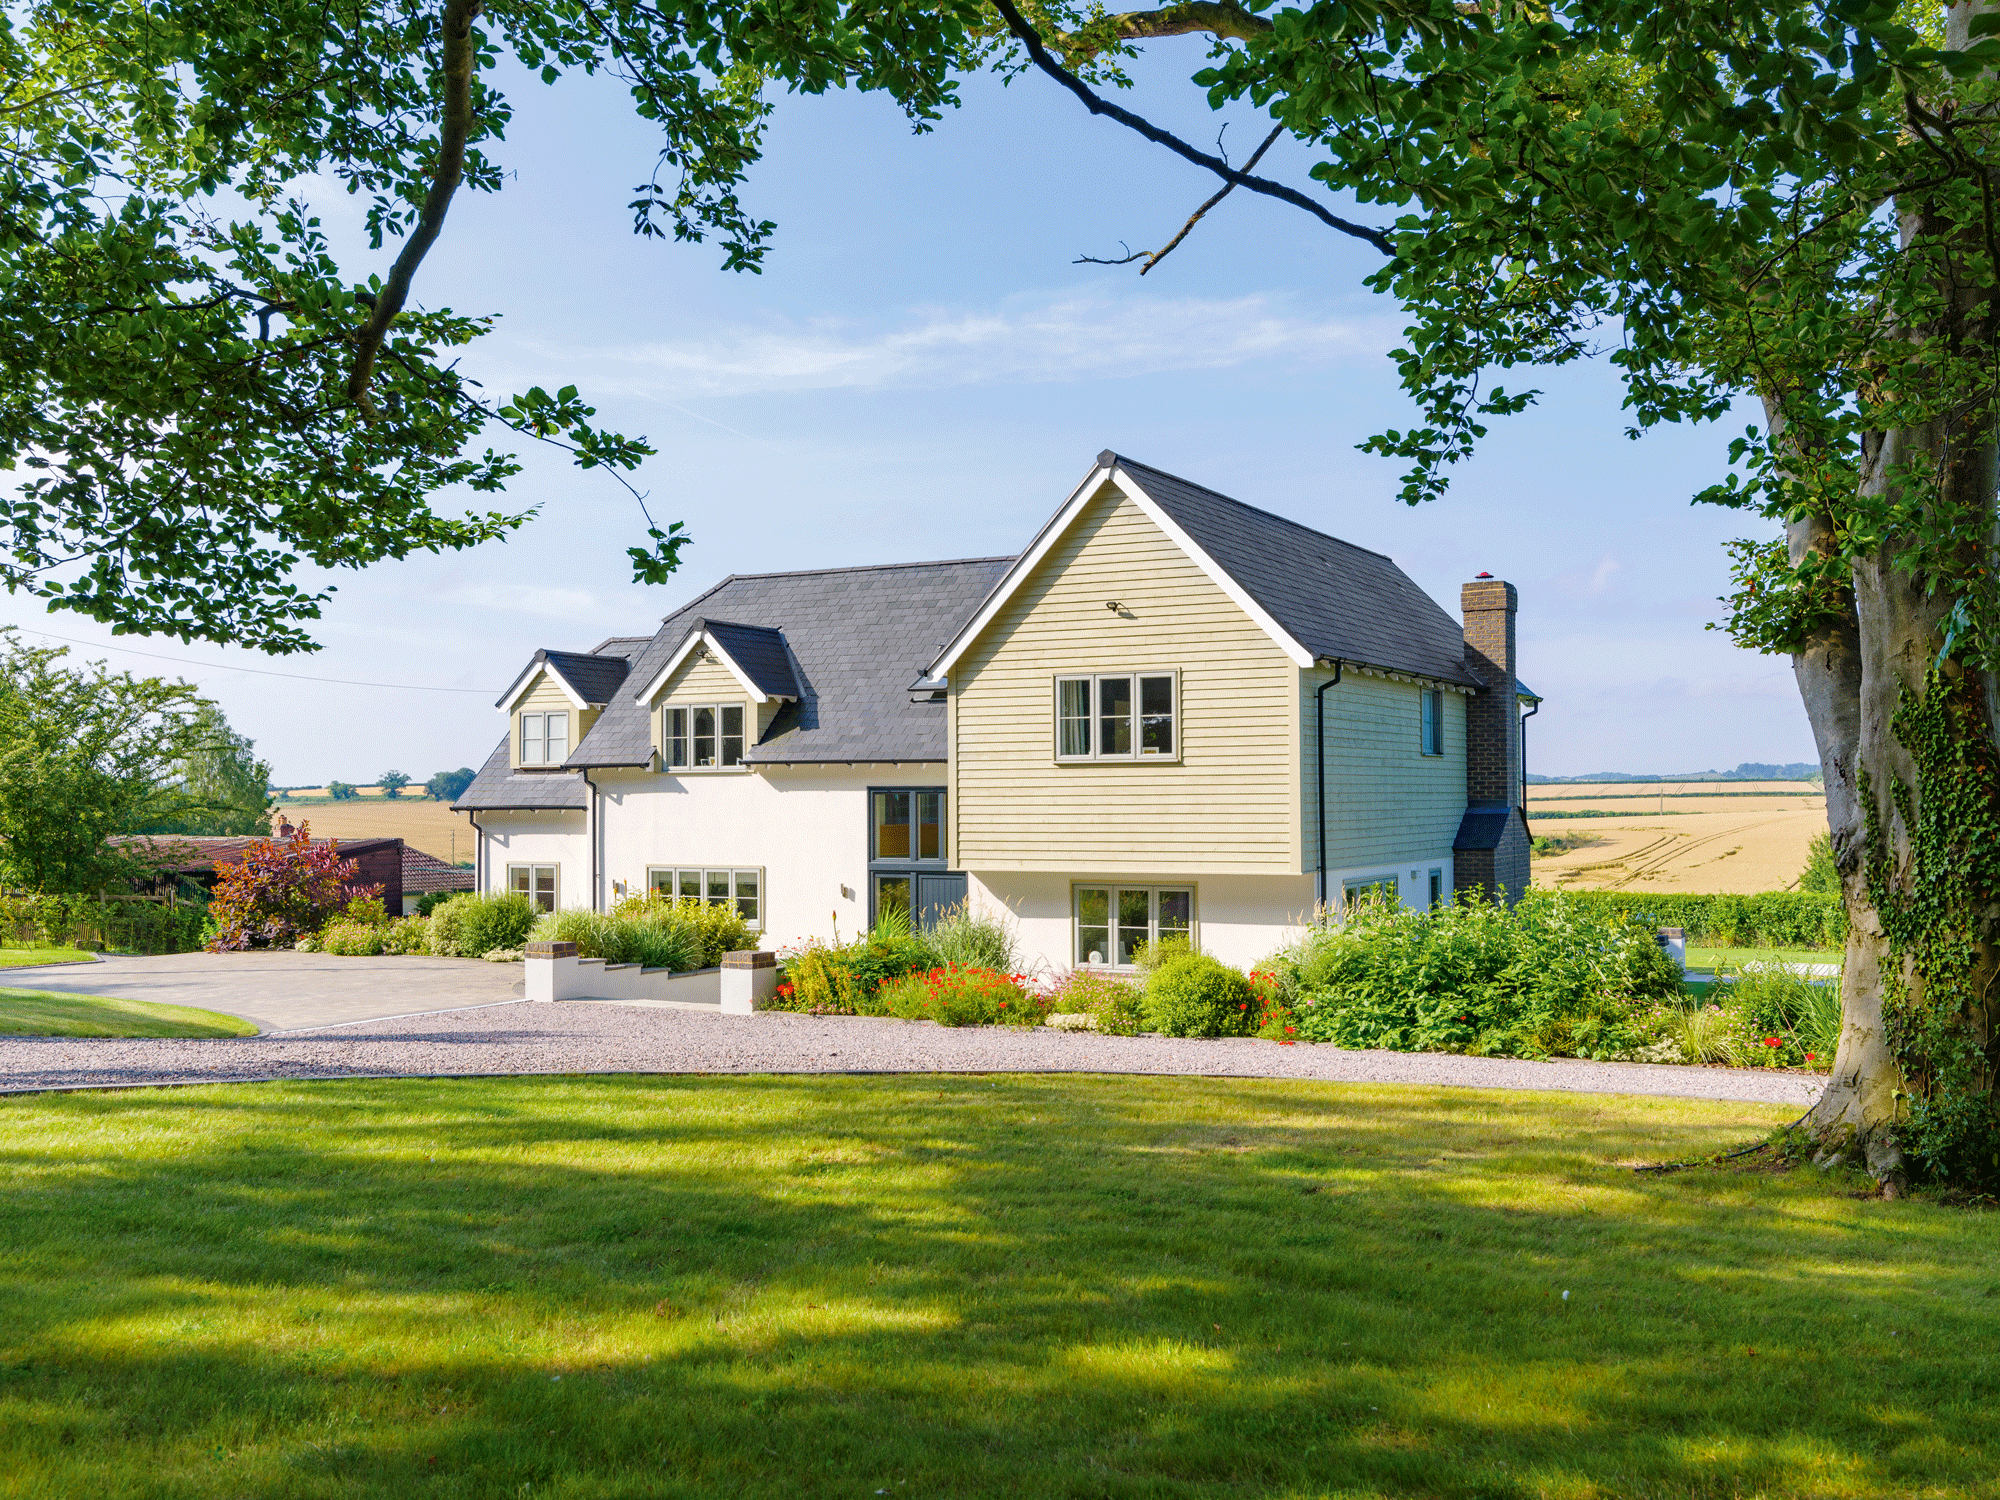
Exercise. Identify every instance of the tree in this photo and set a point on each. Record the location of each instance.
(280, 891)
(199, 392)
(449, 786)
(222, 787)
(1778, 202)
(392, 783)
(341, 791)
(84, 755)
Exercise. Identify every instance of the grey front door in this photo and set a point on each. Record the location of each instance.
(936, 895)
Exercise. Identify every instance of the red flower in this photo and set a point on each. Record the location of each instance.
(1291, 1028)
(1809, 1057)
(1772, 1041)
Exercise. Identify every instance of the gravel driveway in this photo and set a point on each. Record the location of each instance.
(601, 1037)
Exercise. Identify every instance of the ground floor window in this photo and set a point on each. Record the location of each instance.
(536, 882)
(1437, 888)
(745, 888)
(1376, 890)
(1114, 921)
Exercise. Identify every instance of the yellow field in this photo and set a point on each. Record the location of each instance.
(1668, 836)
(419, 822)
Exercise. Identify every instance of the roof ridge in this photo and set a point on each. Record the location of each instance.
(1325, 536)
(941, 562)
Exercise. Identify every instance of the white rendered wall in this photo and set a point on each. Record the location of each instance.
(537, 838)
(1239, 919)
(806, 826)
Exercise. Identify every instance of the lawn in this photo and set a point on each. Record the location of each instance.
(1736, 958)
(40, 1013)
(16, 958)
(968, 1286)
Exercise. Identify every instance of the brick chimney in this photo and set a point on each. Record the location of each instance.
(1491, 851)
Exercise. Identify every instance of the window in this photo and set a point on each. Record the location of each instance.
(536, 882)
(907, 825)
(1437, 888)
(1126, 716)
(1379, 890)
(544, 739)
(1433, 721)
(706, 736)
(1113, 921)
(743, 888)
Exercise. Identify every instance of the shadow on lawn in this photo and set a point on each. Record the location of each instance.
(961, 1285)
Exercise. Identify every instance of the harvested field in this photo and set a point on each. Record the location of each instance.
(419, 822)
(1738, 837)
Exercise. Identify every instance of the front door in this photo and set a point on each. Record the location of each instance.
(936, 895)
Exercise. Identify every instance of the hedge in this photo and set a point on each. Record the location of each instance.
(1770, 919)
(82, 921)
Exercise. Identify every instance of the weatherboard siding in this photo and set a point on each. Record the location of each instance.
(708, 681)
(543, 696)
(1228, 805)
(1386, 801)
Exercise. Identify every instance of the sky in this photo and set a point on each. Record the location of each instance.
(922, 372)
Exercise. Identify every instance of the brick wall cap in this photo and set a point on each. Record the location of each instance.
(746, 959)
(551, 950)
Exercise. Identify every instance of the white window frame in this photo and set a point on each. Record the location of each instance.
(688, 768)
(1135, 677)
(555, 883)
(1360, 885)
(542, 718)
(1430, 721)
(704, 874)
(1080, 956)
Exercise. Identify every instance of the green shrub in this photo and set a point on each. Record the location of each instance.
(473, 922)
(407, 935)
(350, 939)
(426, 904)
(1149, 956)
(1116, 1007)
(824, 980)
(962, 995)
(1552, 976)
(1705, 1034)
(1820, 875)
(656, 937)
(1778, 1003)
(81, 921)
(1191, 994)
(973, 937)
(1770, 919)
(367, 910)
(717, 927)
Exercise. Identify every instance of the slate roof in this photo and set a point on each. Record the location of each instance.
(499, 786)
(760, 651)
(854, 637)
(1332, 597)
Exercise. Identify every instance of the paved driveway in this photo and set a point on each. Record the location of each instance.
(285, 991)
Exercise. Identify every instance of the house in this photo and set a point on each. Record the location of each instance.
(1117, 735)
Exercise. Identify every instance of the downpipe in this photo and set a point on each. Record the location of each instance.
(1319, 796)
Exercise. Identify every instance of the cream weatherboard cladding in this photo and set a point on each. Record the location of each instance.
(706, 680)
(1385, 800)
(1229, 804)
(546, 695)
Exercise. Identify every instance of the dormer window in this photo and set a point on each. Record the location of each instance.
(701, 737)
(544, 739)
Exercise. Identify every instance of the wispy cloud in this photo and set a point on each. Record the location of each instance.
(1024, 339)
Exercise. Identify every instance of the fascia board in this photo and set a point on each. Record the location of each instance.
(527, 680)
(1007, 587)
(702, 638)
(1238, 595)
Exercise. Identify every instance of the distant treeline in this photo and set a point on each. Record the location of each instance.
(1750, 770)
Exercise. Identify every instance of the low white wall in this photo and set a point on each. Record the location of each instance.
(592, 979)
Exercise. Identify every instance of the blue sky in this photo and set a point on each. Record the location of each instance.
(922, 372)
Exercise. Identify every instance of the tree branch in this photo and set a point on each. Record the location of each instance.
(455, 128)
(1219, 17)
(1154, 257)
(1032, 40)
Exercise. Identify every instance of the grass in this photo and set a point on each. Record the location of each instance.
(40, 1013)
(1048, 1286)
(1735, 958)
(16, 958)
